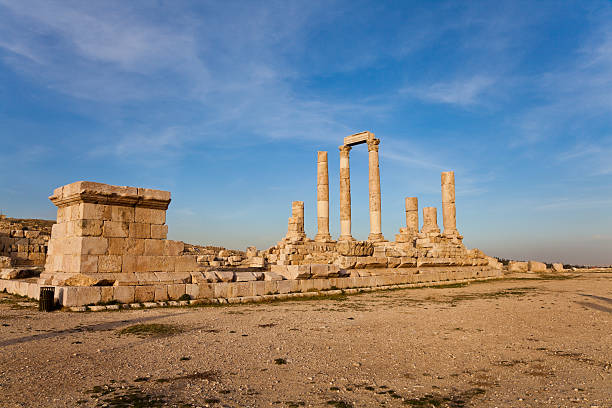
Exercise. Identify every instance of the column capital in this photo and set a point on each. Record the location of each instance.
(344, 149)
(373, 145)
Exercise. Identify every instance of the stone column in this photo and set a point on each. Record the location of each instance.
(295, 227)
(411, 229)
(412, 215)
(449, 212)
(322, 199)
(345, 195)
(374, 184)
(430, 220)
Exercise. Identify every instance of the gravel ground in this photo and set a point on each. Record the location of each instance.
(526, 341)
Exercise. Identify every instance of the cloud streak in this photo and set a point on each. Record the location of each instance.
(461, 91)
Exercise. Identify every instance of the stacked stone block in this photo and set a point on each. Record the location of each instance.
(24, 242)
(112, 234)
(409, 232)
(295, 227)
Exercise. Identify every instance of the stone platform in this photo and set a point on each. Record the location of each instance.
(252, 291)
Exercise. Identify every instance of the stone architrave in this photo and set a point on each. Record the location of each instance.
(295, 228)
(322, 199)
(374, 186)
(345, 195)
(358, 138)
(430, 221)
(449, 211)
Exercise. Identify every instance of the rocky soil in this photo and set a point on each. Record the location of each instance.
(527, 341)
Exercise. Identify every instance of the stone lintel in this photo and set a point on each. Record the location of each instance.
(99, 193)
(358, 138)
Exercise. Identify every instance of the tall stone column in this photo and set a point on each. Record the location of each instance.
(322, 199)
(412, 215)
(345, 195)
(374, 184)
(430, 220)
(449, 211)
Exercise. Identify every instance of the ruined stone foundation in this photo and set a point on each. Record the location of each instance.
(110, 244)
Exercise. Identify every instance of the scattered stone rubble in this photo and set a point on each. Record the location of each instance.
(533, 266)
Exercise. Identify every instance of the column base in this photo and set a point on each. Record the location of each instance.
(323, 238)
(404, 237)
(346, 238)
(376, 237)
(452, 234)
(295, 238)
(428, 235)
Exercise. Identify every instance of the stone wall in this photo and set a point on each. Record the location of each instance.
(24, 241)
(253, 290)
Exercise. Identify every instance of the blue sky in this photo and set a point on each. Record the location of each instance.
(226, 103)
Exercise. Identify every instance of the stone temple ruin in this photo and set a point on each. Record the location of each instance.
(110, 244)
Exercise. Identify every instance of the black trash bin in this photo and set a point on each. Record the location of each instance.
(46, 302)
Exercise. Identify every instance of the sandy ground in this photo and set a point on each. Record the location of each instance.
(527, 341)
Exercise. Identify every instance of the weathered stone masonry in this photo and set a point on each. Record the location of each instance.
(23, 242)
(113, 234)
(414, 251)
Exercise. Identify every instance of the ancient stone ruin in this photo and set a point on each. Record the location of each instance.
(110, 244)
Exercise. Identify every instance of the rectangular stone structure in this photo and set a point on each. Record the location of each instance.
(107, 233)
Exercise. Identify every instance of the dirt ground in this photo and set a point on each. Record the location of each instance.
(527, 341)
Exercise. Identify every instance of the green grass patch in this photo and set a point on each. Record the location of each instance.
(339, 404)
(450, 285)
(460, 400)
(201, 375)
(488, 295)
(151, 330)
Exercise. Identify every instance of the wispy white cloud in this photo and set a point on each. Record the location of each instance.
(412, 160)
(567, 203)
(573, 96)
(592, 156)
(231, 66)
(460, 91)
